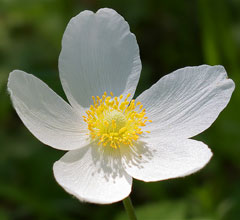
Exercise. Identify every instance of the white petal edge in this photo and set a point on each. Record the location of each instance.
(187, 101)
(49, 118)
(99, 53)
(155, 160)
(93, 175)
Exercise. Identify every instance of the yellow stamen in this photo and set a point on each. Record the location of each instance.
(114, 121)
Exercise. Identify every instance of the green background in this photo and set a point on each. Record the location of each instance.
(171, 34)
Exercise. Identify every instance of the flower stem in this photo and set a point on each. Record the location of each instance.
(129, 208)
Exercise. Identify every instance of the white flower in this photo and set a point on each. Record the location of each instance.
(115, 140)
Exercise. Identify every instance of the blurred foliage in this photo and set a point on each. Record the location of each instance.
(171, 34)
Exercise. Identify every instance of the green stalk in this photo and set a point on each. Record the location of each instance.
(129, 208)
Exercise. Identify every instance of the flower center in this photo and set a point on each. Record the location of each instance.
(113, 121)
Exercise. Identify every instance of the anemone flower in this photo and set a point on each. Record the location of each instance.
(110, 137)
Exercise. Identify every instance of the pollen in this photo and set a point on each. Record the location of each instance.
(114, 121)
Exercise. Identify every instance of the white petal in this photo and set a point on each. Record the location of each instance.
(99, 53)
(187, 101)
(45, 114)
(93, 175)
(155, 160)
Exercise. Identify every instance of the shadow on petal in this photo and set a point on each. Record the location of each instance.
(93, 174)
(108, 162)
(136, 155)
